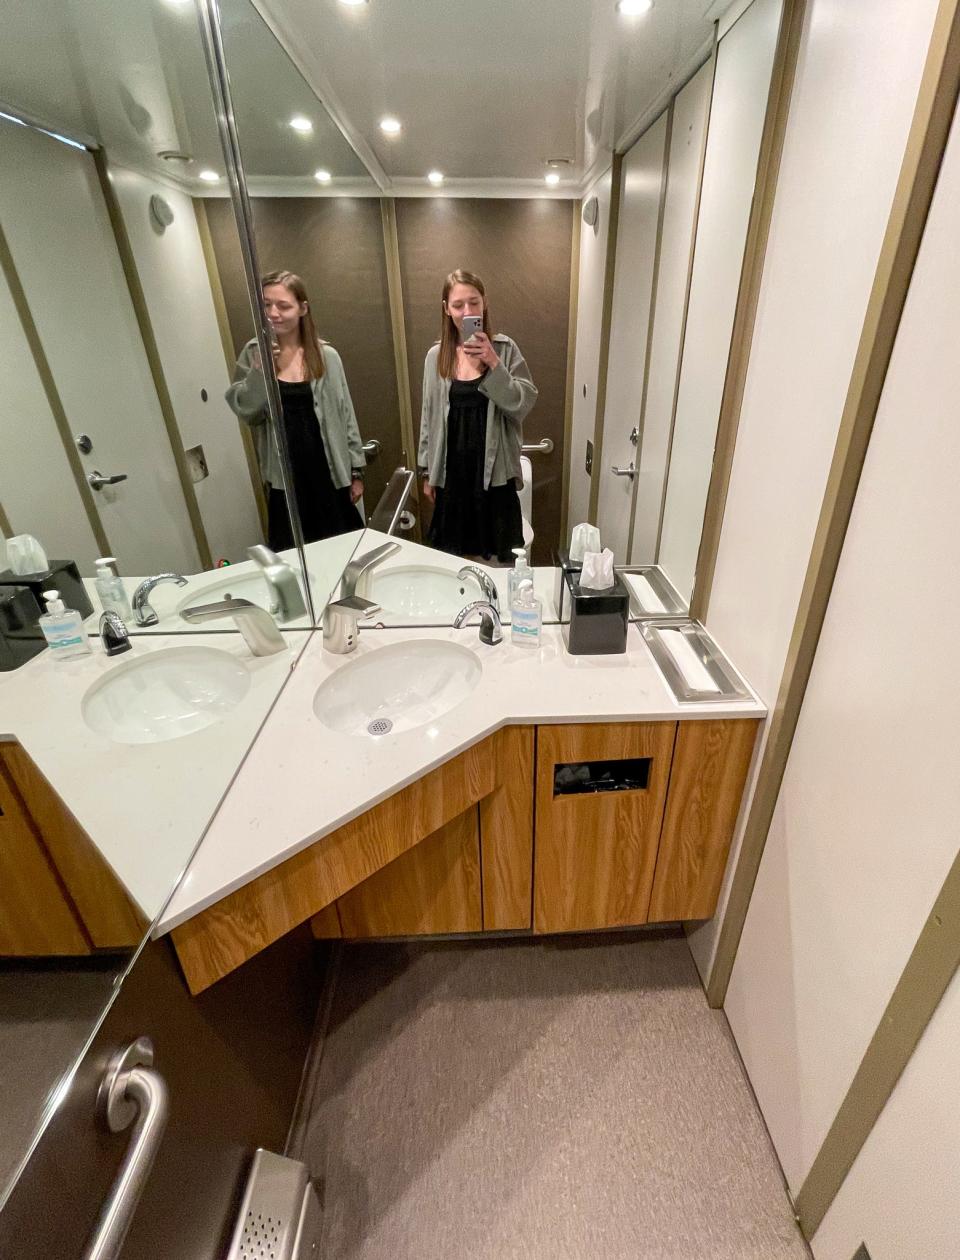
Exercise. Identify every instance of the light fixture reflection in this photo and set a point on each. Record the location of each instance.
(209, 177)
(436, 178)
(301, 124)
(322, 177)
(634, 8)
(390, 126)
(552, 179)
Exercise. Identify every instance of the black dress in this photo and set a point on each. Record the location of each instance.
(467, 519)
(325, 509)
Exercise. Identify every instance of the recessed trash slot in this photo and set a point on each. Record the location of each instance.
(577, 778)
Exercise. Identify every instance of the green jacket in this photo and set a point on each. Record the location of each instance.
(247, 398)
(510, 394)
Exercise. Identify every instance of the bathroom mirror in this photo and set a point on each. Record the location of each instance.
(597, 179)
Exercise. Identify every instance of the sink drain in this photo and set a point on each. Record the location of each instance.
(382, 726)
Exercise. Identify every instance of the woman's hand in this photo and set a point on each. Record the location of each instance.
(480, 349)
(429, 492)
(257, 363)
(356, 490)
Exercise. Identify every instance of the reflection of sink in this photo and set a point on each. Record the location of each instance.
(420, 593)
(244, 586)
(165, 695)
(397, 688)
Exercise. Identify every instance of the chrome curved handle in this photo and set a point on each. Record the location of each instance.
(97, 480)
(630, 472)
(131, 1092)
(371, 450)
(543, 447)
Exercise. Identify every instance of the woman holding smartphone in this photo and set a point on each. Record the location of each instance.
(326, 452)
(477, 389)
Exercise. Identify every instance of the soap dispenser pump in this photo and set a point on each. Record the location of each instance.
(63, 628)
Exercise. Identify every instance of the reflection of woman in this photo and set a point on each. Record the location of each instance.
(476, 394)
(326, 453)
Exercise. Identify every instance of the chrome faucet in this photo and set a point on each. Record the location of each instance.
(113, 633)
(286, 598)
(341, 622)
(490, 631)
(258, 628)
(142, 612)
(362, 564)
(487, 584)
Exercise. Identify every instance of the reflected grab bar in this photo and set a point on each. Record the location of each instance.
(543, 447)
(131, 1092)
(386, 515)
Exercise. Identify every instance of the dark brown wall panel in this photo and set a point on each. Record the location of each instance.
(336, 245)
(521, 250)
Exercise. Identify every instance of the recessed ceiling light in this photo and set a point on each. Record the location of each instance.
(299, 123)
(322, 177)
(552, 179)
(209, 177)
(435, 177)
(354, 4)
(634, 8)
(390, 126)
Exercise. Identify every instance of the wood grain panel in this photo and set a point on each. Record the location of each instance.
(710, 765)
(234, 929)
(109, 917)
(36, 917)
(433, 888)
(595, 855)
(325, 924)
(521, 251)
(506, 833)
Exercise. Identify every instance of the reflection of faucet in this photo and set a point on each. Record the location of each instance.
(258, 628)
(144, 614)
(359, 565)
(341, 619)
(286, 600)
(487, 584)
(113, 633)
(490, 632)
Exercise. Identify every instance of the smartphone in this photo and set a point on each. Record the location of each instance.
(469, 325)
(272, 335)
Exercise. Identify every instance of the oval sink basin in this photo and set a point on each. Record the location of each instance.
(165, 695)
(397, 688)
(420, 593)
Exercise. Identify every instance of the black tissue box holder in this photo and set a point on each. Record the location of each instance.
(593, 623)
(20, 635)
(561, 593)
(62, 576)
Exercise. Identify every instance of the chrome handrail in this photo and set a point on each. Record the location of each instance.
(543, 447)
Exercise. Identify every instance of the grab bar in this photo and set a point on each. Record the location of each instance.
(386, 515)
(543, 447)
(131, 1092)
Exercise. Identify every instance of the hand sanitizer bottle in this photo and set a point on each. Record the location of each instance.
(521, 572)
(526, 616)
(110, 589)
(63, 628)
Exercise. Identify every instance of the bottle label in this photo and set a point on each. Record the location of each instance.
(531, 629)
(65, 642)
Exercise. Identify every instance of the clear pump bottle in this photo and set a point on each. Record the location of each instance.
(63, 628)
(110, 589)
(526, 616)
(521, 572)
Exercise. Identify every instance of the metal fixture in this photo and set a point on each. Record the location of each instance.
(131, 1092)
(591, 211)
(372, 450)
(406, 522)
(487, 584)
(386, 515)
(588, 461)
(341, 622)
(629, 471)
(161, 212)
(286, 598)
(113, 633)
(97, 480)
(196, 464)
(280, 1216)
(634, 435)
(490, 629)
(258, 628)
(142, 612)
(543, 447)
(361, 564)
(84, 443)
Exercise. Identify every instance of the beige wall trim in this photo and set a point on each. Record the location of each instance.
(145, 324)
(54, 401)
(391, 249)
(686, 296)
(610, 263)
(571, 381)
(748, 295)
(229, 354)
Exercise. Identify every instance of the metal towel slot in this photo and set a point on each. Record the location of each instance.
(580, 778)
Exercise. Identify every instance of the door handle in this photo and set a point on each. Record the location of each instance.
(543, 447)
(372, 450)
(97, 479)
(630, 472)
(131, 1092)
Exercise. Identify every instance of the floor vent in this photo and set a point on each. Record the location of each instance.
(280, 1214)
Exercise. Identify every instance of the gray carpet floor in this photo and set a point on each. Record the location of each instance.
(571, 1099)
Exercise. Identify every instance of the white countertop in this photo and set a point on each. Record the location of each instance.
(301, 780)
(145, 806)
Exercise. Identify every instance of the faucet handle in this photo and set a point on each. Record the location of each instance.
(355, 607)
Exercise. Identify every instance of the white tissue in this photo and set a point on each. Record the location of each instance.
(583, 539)
(649, 600)
(687, 661)
(25, 555)
(597, 572)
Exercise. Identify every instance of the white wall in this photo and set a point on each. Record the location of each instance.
(690, 109)
(593, 253)
(737, 111)
(854, 95)
(865, 828)
(177, 291)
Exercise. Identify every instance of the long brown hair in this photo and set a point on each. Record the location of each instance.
(449, 337)
(309, 339)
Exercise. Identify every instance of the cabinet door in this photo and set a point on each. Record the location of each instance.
(595, 853)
